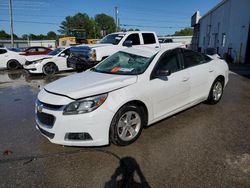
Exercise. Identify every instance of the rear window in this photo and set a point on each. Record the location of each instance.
(149, 38)
(41, 49)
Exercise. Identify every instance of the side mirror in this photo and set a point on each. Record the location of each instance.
(163, 74)
(128, 43)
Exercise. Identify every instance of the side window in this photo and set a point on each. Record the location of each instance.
(67, 52)
(192, 58)
(169, 61)
(41, 49)
(148, 38)
(2, 51)
(32, 50)
(134, 38)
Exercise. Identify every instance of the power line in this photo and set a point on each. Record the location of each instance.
(21, 21)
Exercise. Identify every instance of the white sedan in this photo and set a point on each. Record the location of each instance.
(11, 59)
(49, 64)
(126, 92)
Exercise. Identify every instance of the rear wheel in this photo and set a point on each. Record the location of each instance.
(49, 69)
(127, 125)
(216, 91)
(13, 65)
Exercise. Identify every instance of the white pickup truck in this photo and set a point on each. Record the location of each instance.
(83, 57)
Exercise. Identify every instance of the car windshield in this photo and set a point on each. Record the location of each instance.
(112, 39)
(56, 51)
(124, 63)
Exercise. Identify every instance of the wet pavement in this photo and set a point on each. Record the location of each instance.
(204, 146)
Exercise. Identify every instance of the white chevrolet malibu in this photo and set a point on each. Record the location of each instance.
(126, 92)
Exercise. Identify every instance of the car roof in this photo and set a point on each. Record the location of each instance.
(37, 47)
(141, 51)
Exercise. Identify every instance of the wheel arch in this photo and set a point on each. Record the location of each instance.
(52, 63)
(141, 105)
(222, 78)
(10, 60)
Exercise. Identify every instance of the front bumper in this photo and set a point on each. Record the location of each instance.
(33, 68)
(96, 124)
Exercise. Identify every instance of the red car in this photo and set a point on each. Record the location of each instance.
(36, 50)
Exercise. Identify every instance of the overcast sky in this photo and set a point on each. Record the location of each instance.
(162, 16)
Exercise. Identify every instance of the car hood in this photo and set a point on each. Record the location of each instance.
(37, 57)
(95, 45)
(89, 83)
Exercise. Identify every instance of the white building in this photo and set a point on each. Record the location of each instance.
(226, 29)
(25, 43)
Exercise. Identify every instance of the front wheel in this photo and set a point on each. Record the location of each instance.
(216, 92)
(127, 125)
(13, 65)
(49, 69)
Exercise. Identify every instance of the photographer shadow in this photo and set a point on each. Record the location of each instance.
(124, 175)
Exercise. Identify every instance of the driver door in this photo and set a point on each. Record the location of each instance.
(169, 93)
(61, 60)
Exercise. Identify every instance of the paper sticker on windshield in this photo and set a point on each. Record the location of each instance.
(118, 69)
(118, 38)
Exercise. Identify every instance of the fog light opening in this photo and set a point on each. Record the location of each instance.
(78, 136)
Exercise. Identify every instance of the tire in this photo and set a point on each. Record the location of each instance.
(13, 65)
(49, 69)
(216, 92)
(121, 132)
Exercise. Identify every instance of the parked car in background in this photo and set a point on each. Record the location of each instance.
(49, 64)
(35, 50)
(84, 56)
(126, 92)
(11, 59)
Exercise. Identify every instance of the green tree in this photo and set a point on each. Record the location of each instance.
(106, 23)
(184, 32)
(4, 35)
(78, 21)
(51, 35)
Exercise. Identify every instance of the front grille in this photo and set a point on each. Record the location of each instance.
(49, 106)
(46, 119)
(50, 135)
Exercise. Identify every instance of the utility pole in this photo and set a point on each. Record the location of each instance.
(11, 23)
(116, 18)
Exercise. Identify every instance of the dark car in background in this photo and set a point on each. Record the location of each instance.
(81, 58)
(36, 50)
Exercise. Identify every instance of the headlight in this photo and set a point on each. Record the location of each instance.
(38, 61)
(85, 105)
(92, 55)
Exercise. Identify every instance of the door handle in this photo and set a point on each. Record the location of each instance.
(157, 47)
(211, 70)
(184, 79)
